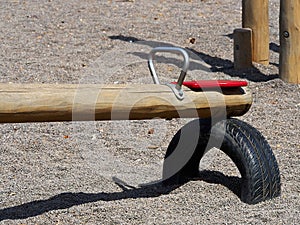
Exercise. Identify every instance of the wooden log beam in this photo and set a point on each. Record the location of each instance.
(67, 102)
(255, 15)
(289, 65)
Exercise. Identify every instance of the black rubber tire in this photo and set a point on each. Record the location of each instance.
(247, 148)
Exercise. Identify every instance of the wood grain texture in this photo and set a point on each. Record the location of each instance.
(67, 102)
(289, 69)
(255, 15)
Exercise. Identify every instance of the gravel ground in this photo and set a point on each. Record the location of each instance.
(88, 172)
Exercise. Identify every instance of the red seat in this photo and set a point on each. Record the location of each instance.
(212, 84)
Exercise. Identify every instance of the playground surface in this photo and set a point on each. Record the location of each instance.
(89, 172)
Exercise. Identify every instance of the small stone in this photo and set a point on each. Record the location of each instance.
(192, 40)
(151, 131)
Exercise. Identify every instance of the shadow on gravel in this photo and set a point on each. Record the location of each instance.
(217, 64)
(226, 66)
(233, 183)
(69, 199)
(194, 65)
(274, 47)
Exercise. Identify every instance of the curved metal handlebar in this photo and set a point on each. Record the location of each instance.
(175, 87)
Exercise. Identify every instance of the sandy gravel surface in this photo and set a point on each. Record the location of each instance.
(89, 172)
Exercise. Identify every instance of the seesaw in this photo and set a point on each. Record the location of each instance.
(213, 102)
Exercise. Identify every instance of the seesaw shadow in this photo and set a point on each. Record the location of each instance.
(216, 64)
(69, 199)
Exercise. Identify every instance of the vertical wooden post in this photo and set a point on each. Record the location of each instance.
(289, 62)
(255, 16)
(242, 48)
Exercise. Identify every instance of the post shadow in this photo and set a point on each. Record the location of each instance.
(273, 46)
(217, 64)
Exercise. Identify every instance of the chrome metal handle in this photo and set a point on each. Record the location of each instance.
(186, 61)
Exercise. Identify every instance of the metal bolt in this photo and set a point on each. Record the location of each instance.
(286, 34)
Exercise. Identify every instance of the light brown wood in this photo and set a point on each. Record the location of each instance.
(289, 69)
(255, 15)
(242, 48)
(67, 102)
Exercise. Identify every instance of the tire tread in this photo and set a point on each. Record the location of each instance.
(249, 151)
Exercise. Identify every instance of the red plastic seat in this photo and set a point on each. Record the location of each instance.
(212, 84)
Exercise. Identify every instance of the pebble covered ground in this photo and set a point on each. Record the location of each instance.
(89, 172)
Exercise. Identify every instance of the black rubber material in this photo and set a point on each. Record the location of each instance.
(247, 148)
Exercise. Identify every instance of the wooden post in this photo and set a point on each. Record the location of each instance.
(242, 48)
(289, 65)
(255, 16)
(67, 102)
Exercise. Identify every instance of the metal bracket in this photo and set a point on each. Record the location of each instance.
(176, 88)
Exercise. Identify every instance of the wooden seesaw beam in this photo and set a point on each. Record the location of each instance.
(67, 102)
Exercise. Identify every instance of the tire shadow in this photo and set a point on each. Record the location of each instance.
(233, 183)
(69, 199)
